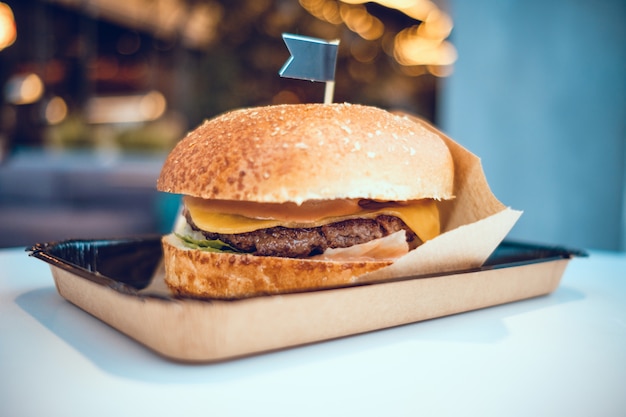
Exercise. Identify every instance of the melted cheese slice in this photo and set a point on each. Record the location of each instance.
(230, 217)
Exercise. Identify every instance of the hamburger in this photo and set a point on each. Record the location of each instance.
(295, 197)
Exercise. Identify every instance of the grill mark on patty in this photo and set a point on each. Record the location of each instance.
(304, 242)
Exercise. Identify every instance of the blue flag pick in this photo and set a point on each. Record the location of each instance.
(311, 58)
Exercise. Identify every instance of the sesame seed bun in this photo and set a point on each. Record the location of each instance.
(200, 274)
(294, 153)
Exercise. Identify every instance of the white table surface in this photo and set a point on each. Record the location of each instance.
(558, 355)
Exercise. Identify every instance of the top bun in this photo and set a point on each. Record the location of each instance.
(294, 153)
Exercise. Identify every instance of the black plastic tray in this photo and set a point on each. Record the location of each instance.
(128, 265)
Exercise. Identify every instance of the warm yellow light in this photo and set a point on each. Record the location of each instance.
(360, 21)
(374, 31)
(413, 70)
(56, 110)
(24, 89)
(152, 105)
(417, 9)
(330, 12)
(395, 4)
(437, 25)
(423, 44)
(315, 7)
(31, 89)
(355, 17)
(201, 27)
(411, 49)
(441, 70)
(8, 31)
(126, 109)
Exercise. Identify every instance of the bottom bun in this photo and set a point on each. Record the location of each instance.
(198, 273)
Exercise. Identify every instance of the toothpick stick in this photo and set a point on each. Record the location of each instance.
(329, 91)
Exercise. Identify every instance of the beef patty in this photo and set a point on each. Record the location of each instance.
(299, 243)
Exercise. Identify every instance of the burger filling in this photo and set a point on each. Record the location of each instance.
(307, 230)
(310, 241)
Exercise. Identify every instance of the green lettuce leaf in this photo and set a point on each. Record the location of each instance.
(207, 245)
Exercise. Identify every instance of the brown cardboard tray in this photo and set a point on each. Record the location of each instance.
(120, 282)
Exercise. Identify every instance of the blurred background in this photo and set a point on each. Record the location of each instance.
(96, 92)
